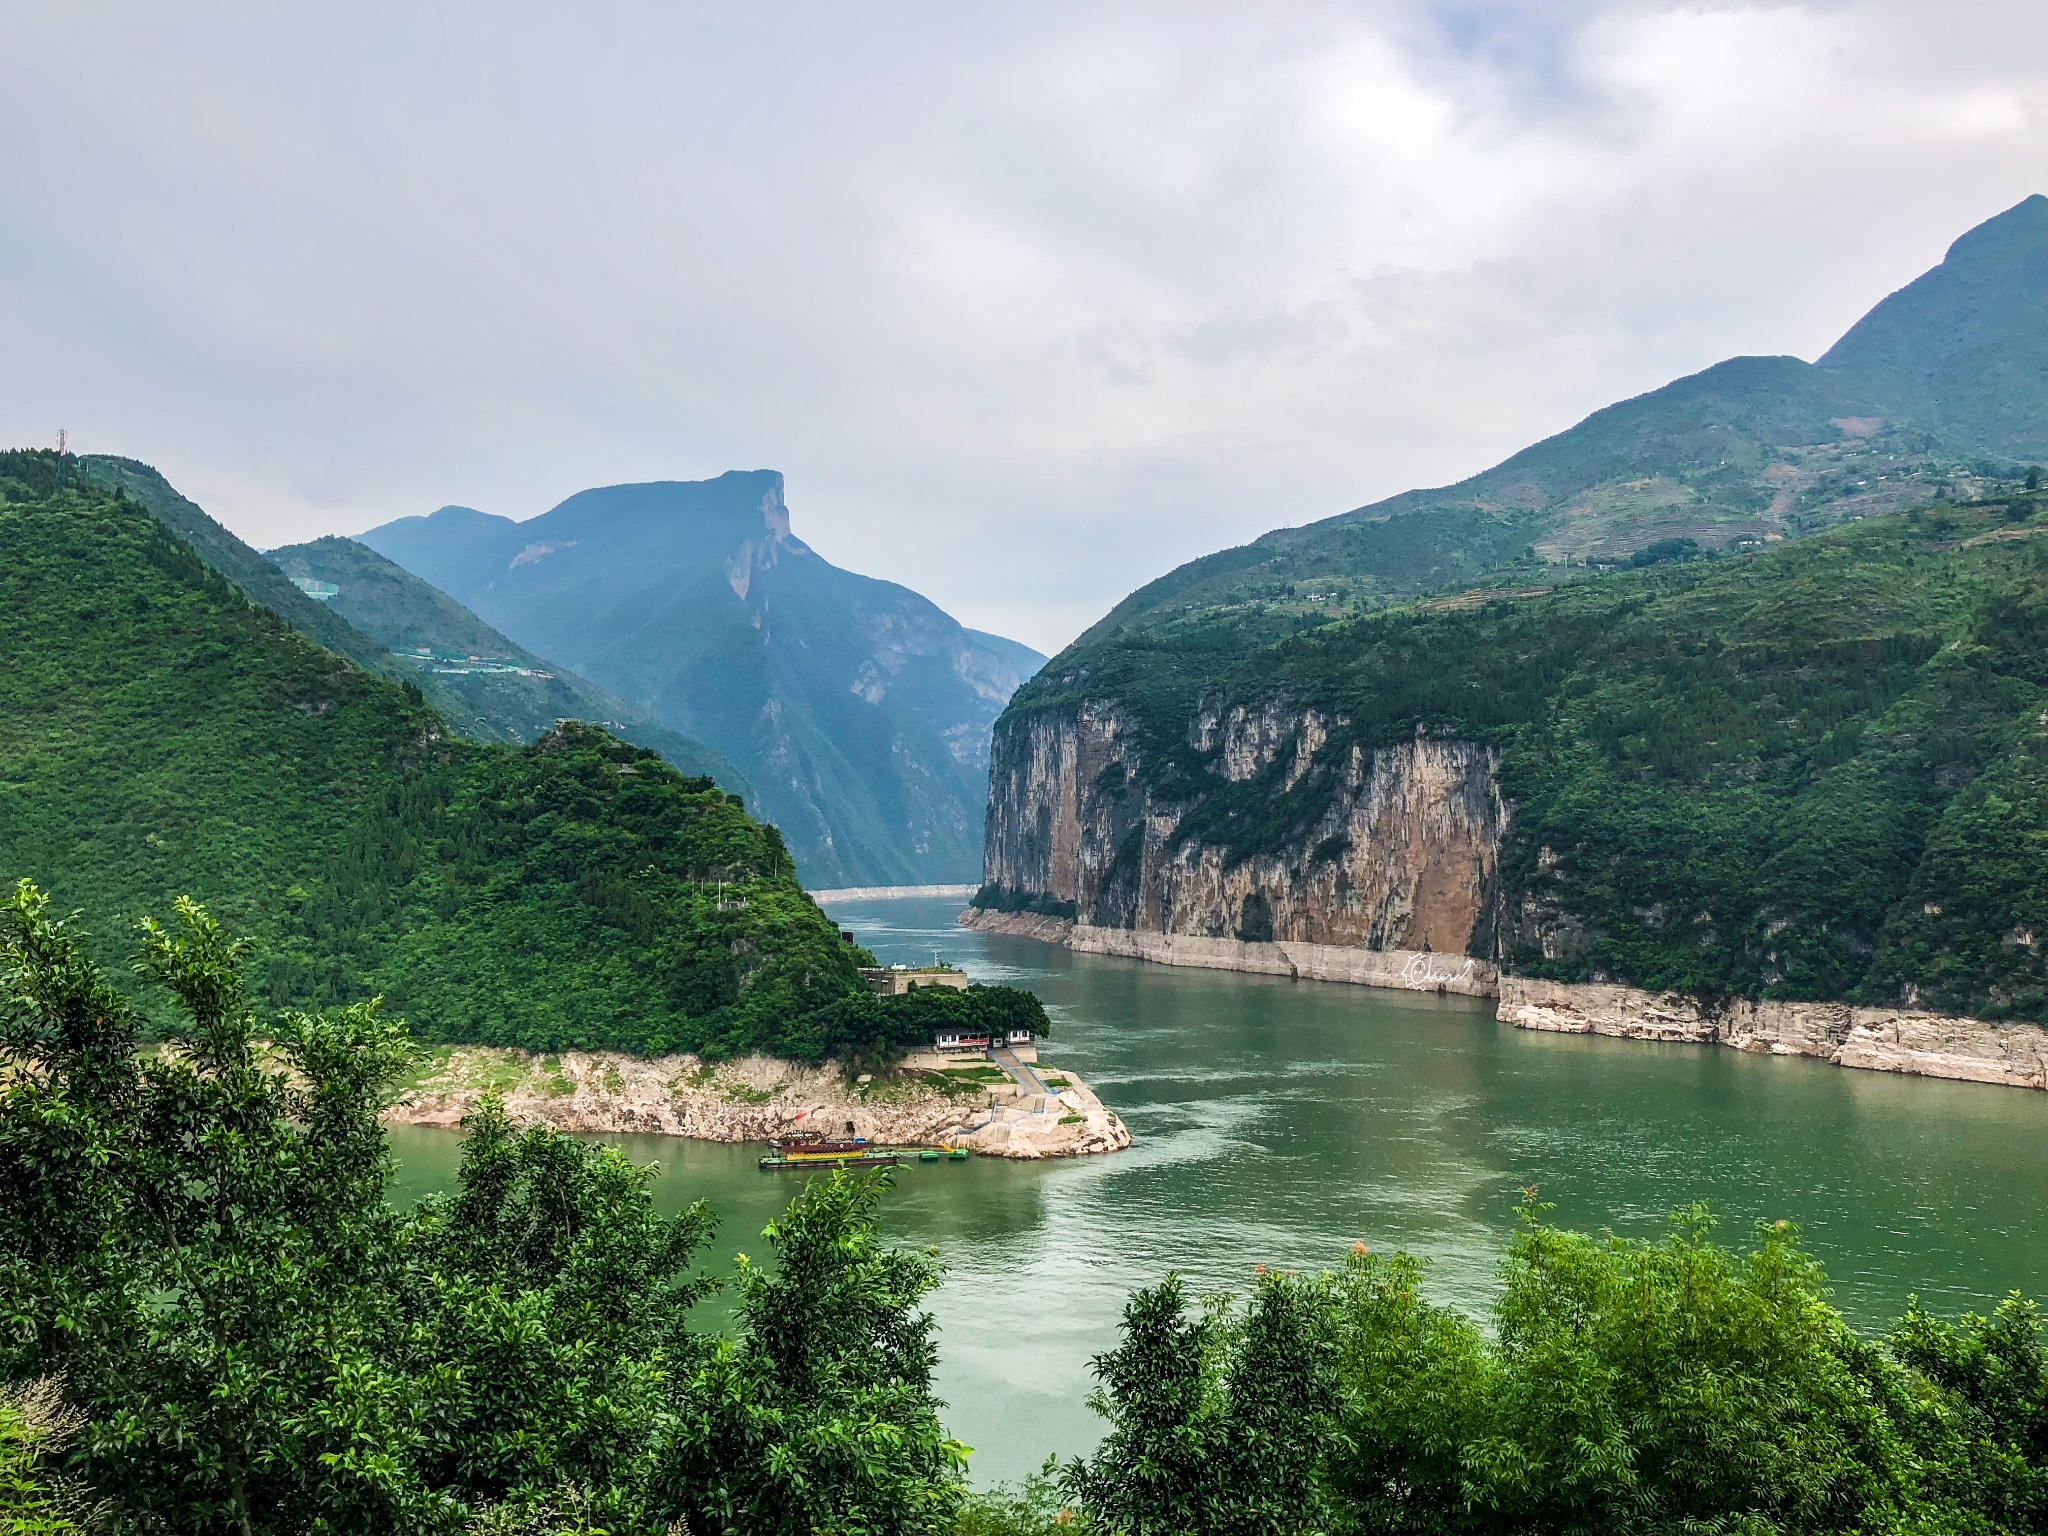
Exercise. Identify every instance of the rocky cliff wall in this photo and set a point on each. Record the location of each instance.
(1401, 856)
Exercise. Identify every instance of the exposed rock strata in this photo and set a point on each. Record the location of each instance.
(1880, 1039)
(754, 1099)
(1408, 969)
(1401, 855)
(1393, 885)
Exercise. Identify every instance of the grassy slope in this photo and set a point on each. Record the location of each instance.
(399, 612)
(160, 734)
(1815, 773)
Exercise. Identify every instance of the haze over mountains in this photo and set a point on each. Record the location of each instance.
(1948, 373)
(858, 711)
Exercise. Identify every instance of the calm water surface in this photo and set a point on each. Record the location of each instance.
(1278, 1121)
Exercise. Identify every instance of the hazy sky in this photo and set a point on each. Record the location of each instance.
(1030, 302)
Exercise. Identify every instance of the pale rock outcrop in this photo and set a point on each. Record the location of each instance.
(1878, 1039)
(1407, 969)
(755, 1098)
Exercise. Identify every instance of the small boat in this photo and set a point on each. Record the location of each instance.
(878, 1157)
(808, 1149)
(957, 1155)
(813, 1148)
(928, 1155)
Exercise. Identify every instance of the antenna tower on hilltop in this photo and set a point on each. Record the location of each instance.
(60, 442)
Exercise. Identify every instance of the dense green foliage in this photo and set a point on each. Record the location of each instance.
(864, 1029)
(197, 1244)
(217, 1322)
(576, 892)
(1624, 1387)
(36, 1498)
(1815, 773)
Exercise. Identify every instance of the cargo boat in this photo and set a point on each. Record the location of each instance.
(875, 1157)
(808, 1149)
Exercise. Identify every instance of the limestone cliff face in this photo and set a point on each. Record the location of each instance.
(1397, 852)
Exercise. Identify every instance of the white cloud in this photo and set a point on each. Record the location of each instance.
(1029, 303)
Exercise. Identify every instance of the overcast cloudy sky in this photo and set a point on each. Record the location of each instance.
(1030, 302)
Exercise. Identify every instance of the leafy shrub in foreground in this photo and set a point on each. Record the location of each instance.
(1664, 1388)
(197, 1242)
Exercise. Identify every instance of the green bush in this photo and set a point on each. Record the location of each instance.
(1635, 1387)
(197, 1243)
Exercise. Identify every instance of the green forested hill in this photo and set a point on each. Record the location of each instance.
(1819, 772)
(1940, 385)
(160, 734)
(388, 610)
(487, 687)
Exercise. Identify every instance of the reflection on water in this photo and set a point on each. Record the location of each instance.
(1278, 1121)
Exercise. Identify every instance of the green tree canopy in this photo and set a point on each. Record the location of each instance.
(195, 1241)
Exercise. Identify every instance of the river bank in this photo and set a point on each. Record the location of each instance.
(1904, 1040)
(1406, 970)
(925, 1103)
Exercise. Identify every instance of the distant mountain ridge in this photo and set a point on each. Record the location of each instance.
(1947, 373)
(403, 613)
(858, 710)
(487, 687)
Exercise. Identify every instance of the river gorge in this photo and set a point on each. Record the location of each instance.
(1277, 1121)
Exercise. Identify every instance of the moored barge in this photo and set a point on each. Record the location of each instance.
(809, 1150)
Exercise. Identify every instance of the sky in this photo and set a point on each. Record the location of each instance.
(1029, 303)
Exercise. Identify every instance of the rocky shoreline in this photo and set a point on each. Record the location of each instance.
(1408, 970)
(925, 1103)
(1873, 1039)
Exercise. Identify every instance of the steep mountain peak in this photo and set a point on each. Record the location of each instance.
(857, 709)
(1963, 347)
(731, 508)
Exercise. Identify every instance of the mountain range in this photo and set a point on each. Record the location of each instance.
(1704, 692)
(382, 618)
(858, 711)
(165, 732)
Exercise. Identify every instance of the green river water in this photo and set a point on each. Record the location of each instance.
(1278, 1121)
